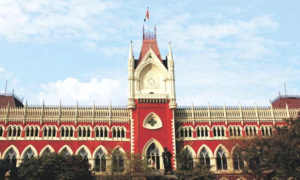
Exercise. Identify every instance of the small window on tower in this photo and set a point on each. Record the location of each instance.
(151, 93)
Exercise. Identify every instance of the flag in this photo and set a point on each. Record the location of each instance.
(147, 16)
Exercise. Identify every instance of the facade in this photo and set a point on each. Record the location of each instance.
(150, 121)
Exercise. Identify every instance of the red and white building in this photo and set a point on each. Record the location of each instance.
(150, 121)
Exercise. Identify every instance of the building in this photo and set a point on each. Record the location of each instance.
(150, 121)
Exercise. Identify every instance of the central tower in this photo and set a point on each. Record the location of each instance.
(152, 99)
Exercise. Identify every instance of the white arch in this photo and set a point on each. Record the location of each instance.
(86, 149)
(11, 147)
(32, 148)
(224, 148)
(207, 149)
(153, 115)
(157, 143)
(48, 146)
(101, 127)
(68, 148)
(155, 62)
(120, 149)
(190, 149)
(203, 126)
(100, 147)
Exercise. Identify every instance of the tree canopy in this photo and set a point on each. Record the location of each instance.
(274, 156)
(53, 166)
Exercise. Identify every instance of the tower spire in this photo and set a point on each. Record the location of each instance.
(170, 52)
(130, 55)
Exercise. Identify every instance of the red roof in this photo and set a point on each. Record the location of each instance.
(4, 100)
(293, 101)
(146, 46)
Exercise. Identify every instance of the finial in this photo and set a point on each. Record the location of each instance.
(170, 52)
(130, 55)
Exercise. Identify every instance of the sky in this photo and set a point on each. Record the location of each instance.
(224, 51)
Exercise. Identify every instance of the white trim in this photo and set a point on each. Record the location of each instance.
(156, 126)
(190, 149)
(99, 147)
(47, 146)
(86, 149)
(207, 149)
(11, 147)
(224, 148)
(32, 148)
(66, 146)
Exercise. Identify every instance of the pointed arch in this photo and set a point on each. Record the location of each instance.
(120, 149)
(190, 149)
(86, 149)
(223, 147)
(98, 148)
(27, 148)
(152, 121)
(44, 149)
(67, 147)
(9, 148)
(207, 149)
(153, 140)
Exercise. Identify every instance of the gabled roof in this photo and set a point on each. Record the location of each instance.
(13, 101)
(149, 40)
(293, 101)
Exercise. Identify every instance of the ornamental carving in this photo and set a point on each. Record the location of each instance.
(152, 121)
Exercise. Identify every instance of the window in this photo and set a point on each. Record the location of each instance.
(84, 155)
(65, 152)
(100, 161)
(32, 131)
(238, 162)
(101, 132)
(235, 131)
(202, 131)
(266, 130)
(185, 132)
(1, 131)
(204, 157)
(118, 161)
(218, 131)
(29, 154)
(46, 151)
(66, 131)
(14, 131)
(153, 158)
(49, 131)
(84, 131)
(251, 130)
(221, 160)
(118, 132)
(11, 157)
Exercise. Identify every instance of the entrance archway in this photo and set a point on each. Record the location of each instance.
(153, 153)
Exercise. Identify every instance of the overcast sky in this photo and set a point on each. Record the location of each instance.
(224, 51)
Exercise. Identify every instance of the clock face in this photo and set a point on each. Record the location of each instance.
(151, 81)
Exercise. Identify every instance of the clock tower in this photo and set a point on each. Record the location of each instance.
(152, 99)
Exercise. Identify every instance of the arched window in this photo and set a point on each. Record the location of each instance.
(9, 132)
(122, 133)
(62, 132)
(97, 132)
(181, 133)
(100, 161)
(204, 157)
(190, 132)
(221, 160)
(65, 152)
(36, 134)
(114, 132)
(45, 132)
(88, 132)
(79, 132)
(54, 132)
(118, 161)
(46, 151)
(84, 132)
(230, 131)
(19, 132)
(1, 131)
(14, 131)
(84, 155)
(71, 132)
(153, 158)
(198, 132)
(11, 157)
(238, 162)
(27, 132)
(214, 131)
(105, 132)
(29, 154)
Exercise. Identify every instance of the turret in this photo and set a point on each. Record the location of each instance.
(131, 103)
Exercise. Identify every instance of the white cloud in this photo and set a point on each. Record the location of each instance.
(71, 90)
(45, 21)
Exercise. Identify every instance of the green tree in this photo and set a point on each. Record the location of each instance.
(54, 166)
(189, 168)
(275, 156)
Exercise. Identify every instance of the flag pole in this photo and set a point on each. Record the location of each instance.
(149, 22)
